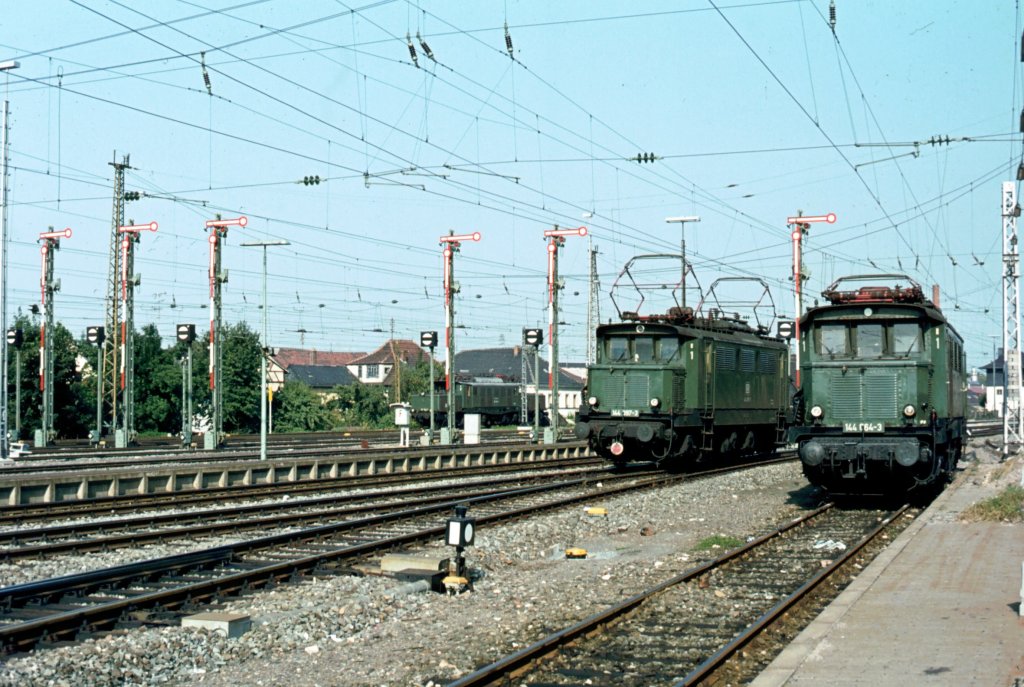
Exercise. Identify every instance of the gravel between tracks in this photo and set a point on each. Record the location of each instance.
(357, 631)
(365, 631)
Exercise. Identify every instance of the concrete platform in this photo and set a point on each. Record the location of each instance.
(939, 607)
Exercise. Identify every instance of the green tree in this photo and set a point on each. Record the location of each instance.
(362, 405)
(243, 356)
(71, 401)
(300, 409)
(157, 384)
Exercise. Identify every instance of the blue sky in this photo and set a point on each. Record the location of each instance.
(754, 110)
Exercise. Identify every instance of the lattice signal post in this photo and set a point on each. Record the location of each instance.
(214, 437)
(125, 435)
(452, 244)
(556, 238)
(801, 224)
(47, 286)
(1013, 419)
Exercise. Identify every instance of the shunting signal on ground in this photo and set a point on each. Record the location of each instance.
(311, 181)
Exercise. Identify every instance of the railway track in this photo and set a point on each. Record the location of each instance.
(22, 514)
(72, 458)
(690, 629)
(401, 492)
(63, 608)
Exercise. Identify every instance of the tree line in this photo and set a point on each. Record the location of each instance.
(158, 387)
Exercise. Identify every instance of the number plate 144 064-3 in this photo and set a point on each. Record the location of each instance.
(869, 427)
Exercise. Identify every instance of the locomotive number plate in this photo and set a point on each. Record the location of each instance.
(625, 413)
(869, 427)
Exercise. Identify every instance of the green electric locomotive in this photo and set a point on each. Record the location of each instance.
(883, 397)
(676, 387)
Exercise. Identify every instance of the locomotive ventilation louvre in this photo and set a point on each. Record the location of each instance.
(871, 395)
(629, 391)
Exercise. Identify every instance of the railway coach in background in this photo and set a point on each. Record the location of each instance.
(883, 399)
(498, 402)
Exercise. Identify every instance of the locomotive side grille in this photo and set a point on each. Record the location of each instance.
(846, 400)
(678, 392)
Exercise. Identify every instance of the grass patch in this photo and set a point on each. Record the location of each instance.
(719, 541)
(1007, 506)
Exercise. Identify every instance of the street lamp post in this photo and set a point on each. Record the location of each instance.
(4, 440)
(263, 361)
(682, 247)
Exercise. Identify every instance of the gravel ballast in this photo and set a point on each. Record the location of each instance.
(373, 631)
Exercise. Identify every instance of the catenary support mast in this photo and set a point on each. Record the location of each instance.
(1013, 419)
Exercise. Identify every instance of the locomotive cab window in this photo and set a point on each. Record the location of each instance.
(870, 340)
(831, 340)
(906, 338)
(617, 349)
(669, 349)
(639, 349)
(643, 349)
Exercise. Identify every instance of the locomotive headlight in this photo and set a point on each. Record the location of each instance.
(909, 410)
(592, 401)
(817, 412)
(655, 402)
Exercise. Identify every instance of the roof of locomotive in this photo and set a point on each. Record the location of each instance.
(684, 321)
(889, 299)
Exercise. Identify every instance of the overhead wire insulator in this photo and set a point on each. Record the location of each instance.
(412, 51)
(832, 15)
(425, 48)
(1020, 172)
(206, 75)
(508, 40)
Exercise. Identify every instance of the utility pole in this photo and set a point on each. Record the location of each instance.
(452, 244)
(1013, 419)
(214, 437)
(800, 226)
(4, 146)
(266, 346)
(110, 382)
(557, 240)
(593, 307)
(682, 249)
(130, 235)
(48, 287)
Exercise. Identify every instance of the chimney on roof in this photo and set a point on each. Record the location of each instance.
(935, 295)
(516, 350)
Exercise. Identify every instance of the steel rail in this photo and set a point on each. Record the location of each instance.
(23, 636)
(130, 502)
(716, 660)
(357, 503)
(511, 666)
